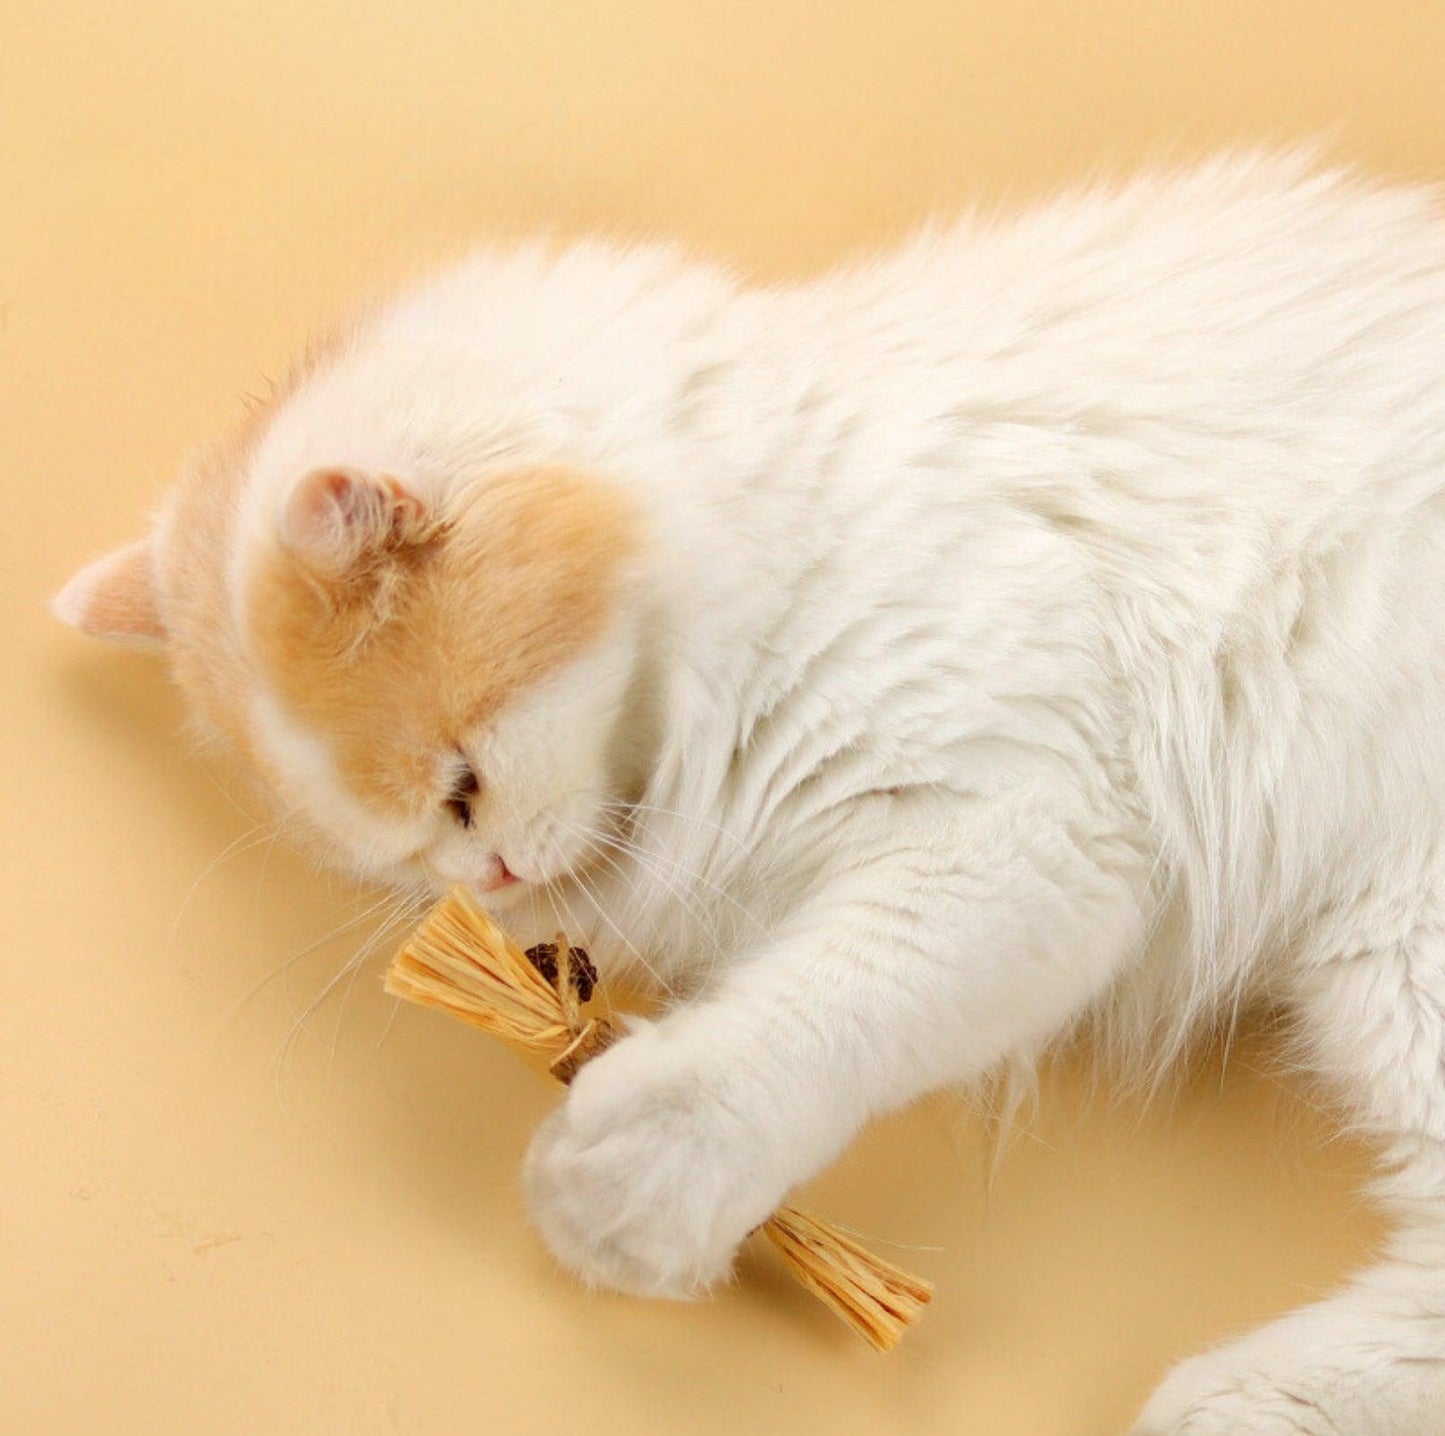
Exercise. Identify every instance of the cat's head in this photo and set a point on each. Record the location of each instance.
(429, 671)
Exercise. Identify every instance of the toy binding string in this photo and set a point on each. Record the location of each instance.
(462, 963)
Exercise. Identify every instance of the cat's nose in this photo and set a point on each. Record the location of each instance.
(495, 874)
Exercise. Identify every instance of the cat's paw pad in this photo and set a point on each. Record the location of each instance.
(650, 1174)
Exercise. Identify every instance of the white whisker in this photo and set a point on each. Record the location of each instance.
(648, 856)
(595, 842)
(252, 838)
(594, 899)
(342, 927)
(759, 875)
(277, 828)
(404, 907)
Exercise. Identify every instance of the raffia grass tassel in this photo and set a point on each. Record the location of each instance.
(462, 963)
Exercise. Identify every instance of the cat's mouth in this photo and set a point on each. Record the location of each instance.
(496, 876)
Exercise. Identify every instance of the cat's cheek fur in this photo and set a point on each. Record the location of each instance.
(551, 763)
(646, 1179)
(371, 847)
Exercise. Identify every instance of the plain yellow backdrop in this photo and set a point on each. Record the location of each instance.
(215, 1220)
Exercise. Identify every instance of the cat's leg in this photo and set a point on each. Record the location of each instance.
(1369, 1361)
(953, 938)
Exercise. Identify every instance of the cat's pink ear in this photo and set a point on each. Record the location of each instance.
(335, 518)
(115, 597)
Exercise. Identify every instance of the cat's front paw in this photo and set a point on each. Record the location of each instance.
(653, 1170)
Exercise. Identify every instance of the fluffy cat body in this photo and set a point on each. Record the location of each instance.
(1042, 623)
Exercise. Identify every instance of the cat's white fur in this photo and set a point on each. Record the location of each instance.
(1043, 623)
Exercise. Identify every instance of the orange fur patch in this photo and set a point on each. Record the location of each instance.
(400, 659)
(205, 651)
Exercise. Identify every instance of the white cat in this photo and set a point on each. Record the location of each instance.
(1044, 623)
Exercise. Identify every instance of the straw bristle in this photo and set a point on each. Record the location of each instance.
(877, 1299)
(460, 962)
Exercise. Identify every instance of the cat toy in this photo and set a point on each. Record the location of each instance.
(462, 963)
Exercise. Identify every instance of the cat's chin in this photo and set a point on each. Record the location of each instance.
(504, 897)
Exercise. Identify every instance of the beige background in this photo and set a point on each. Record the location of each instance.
(208, 1227)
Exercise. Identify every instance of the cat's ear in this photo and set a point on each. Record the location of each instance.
(115, 597)
(335, 519)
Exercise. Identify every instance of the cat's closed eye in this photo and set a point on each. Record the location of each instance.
(463, 793)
